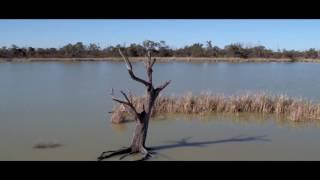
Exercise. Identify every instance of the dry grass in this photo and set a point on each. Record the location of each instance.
(284, 106)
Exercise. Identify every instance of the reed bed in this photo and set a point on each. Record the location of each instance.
(287, 107)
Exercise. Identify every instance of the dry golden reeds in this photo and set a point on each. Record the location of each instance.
(290, 108)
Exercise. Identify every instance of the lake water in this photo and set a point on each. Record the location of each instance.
(68, 103)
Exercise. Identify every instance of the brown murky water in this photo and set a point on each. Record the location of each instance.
(67, 103)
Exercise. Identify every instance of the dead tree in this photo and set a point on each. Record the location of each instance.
(141, 118)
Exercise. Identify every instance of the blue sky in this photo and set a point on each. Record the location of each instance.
(274, 34)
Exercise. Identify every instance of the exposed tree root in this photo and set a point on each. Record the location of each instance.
(113, 153)
(149, 149)
(125, 153)
(146, 154)
(145, 157)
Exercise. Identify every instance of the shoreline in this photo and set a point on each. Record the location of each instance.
(159, 59)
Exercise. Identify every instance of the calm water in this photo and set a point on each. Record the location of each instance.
(68, 103)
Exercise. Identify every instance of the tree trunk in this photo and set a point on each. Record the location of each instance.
(141, 129)
(139, 137)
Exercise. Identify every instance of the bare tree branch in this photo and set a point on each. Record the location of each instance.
(149, 55)
(125, 96)
(164, 85)
(130, 96)
(145, 62)
(111, 92)
(149, 66)
(138, 79)
(129, 67)
(152, 63)
(126, 60)
(120, 101)
(127, 102)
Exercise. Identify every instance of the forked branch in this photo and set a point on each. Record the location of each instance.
(128, 102)
(129, 67)
(150, 60)
(149, 64)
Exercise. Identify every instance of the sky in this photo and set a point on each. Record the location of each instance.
(273, 34)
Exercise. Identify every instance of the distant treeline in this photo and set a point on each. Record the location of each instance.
(160, 49)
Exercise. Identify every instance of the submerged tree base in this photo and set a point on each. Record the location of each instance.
(287, 107)
(125, 152)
